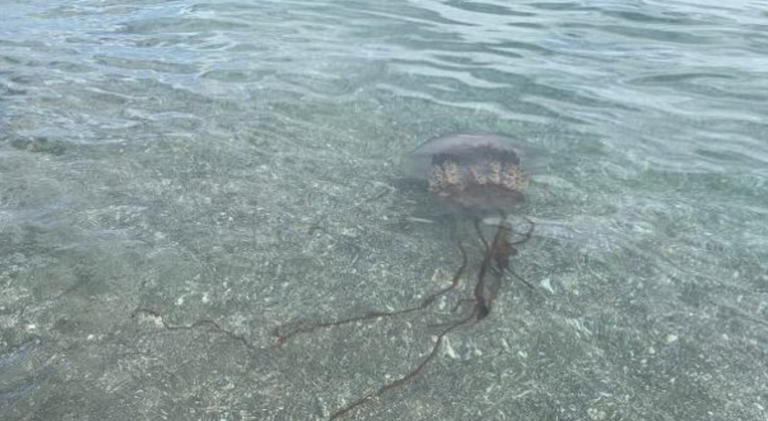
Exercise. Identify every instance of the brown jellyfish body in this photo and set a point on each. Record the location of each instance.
(480, 175)
(477, 173)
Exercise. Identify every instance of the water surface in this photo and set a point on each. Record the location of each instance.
(238, 162)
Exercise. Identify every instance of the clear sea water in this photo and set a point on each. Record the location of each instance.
(180, 178)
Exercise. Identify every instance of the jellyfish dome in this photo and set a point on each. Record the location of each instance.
(472, 172)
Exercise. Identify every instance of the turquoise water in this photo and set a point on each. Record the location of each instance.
(178, 179)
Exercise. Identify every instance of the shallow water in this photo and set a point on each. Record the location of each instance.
(239, 162)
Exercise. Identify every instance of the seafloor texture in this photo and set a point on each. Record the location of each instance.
(178, 179)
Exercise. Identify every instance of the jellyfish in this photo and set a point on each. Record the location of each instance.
(474, 176)
(471, 176)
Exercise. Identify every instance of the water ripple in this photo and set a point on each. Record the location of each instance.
(616, 67)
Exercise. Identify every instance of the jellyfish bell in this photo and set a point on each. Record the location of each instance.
(475, 173)
(481, 178)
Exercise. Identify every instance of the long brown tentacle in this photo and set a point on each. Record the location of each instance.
(282, 338)
(405, 378)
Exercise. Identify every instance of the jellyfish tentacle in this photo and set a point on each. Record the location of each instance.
(406, 377)
(282, 338)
